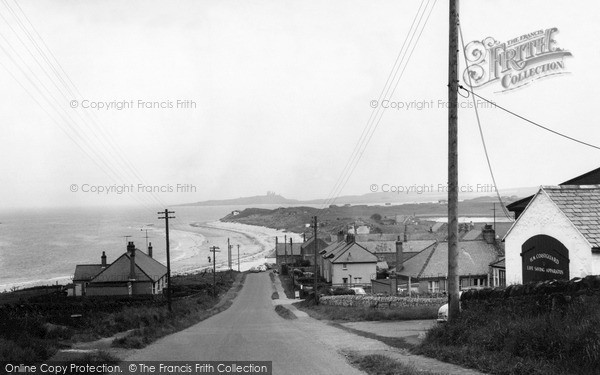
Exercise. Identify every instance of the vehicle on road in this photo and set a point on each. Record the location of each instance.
(443, 311)
(358, 291)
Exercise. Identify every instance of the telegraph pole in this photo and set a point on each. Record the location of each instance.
(285, 252)
(315, 249)
(166, 217)
(213, 250)
(453, 277)
(292, 251)
(239, 256)
(228, 255)
(494, 216)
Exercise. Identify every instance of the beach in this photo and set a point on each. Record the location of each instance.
(190, 242)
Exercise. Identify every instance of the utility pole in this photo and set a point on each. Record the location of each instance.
(214, 250)
(315, 260)
(494, 209)
(166, 217)
(453, 277)
(292, 251)
(239, 256)
(228, 255)
(285, 252)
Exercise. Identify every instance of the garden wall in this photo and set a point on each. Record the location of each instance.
(382, 302)
(536, 297)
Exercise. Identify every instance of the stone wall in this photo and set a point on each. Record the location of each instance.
(382, 302)
(536, 297)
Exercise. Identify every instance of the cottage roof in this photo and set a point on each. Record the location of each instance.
(283, 249)
(146, 268)
(86, 272)
(474, 258)
(581, 205)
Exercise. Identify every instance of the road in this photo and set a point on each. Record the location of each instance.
(251, 330)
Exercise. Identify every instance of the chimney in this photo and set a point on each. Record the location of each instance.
(131, 251)
(103, 257)
(350, 238)
(340, 236)
(489, 234)
(399, 256)
(150, 249)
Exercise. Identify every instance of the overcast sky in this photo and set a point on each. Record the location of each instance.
(282, 93)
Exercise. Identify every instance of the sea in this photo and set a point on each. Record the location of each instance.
(43, 246)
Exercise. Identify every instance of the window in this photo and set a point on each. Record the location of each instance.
(502, 277)
(433, 287)
(345, 280)
(344, 266)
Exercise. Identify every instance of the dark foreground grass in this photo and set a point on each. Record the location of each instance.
(376, 364)
(496, 341)
(35, 337)
(359, 314)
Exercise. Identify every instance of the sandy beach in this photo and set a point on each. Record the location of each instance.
(191, 246)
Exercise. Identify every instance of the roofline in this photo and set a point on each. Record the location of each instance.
(542, 189)
(568, 182)
(520, 216)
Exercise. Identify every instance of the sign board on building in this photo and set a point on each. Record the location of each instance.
(544, 258)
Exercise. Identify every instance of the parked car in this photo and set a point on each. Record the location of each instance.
(253, 269)
(443, 311)
(358, 291)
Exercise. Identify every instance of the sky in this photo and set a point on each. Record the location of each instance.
(278, 94)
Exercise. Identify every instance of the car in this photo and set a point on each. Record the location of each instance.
(443, 314)
(358, 291)
(443, 311)
(254, 269)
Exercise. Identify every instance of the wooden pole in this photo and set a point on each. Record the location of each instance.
(453, 277)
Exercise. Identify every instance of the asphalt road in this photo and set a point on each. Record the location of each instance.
(250, 330)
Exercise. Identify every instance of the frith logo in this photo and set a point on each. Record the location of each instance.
(514, 63)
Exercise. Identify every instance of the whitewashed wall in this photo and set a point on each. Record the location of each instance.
(543, 217)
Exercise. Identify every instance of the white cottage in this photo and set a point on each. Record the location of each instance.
(557, 236)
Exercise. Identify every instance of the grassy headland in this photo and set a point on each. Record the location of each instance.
(381, 219)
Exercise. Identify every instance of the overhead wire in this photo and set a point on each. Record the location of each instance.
(487, 157)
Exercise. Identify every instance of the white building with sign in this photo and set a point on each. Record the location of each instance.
(557, 236)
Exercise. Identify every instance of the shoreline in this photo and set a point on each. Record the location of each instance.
(191, 248)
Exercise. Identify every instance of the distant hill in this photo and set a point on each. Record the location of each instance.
(246, 201)
(370, 198)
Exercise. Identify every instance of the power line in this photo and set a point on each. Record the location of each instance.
(531, 121)
(487, 157)
(377, 113)
(374, 111)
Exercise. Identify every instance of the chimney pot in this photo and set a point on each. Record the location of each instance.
(103, 257)
(131, 251)
(399, 256)
(150, 249)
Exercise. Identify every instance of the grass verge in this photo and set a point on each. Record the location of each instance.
(285, 313)
(287, 285)
(359, 314)
(36, 328)
(186, 312)
(495, 340)
(376, 364)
